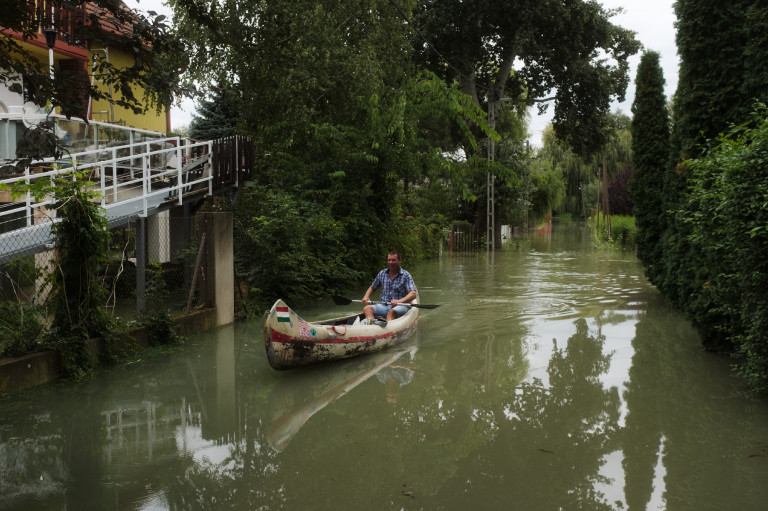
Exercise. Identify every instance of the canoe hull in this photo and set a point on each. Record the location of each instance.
(292, 342)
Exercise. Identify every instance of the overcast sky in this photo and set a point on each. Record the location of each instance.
(652, 20)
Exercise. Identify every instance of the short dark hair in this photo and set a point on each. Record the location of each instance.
(395, 252)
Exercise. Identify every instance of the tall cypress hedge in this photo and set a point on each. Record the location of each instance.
(707, 248)
(650, 146)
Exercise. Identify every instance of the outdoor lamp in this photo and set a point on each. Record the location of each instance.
(50, 40)
(50, 37)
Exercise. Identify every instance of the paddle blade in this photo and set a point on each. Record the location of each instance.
(340, 300)
(426, 306)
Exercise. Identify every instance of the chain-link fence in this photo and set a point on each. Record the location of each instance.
(165, 273)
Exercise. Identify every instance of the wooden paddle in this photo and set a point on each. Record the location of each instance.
(340, 300)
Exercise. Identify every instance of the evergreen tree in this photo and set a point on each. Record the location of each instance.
(216, 118)
(722, 48)
(650, 145)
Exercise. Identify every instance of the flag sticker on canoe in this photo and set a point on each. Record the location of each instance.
(282, 315)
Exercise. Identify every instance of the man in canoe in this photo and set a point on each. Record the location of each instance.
(397, 287)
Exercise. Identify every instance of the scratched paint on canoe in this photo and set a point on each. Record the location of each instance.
(299, 343)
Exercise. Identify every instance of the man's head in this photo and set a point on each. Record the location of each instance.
(393, 260)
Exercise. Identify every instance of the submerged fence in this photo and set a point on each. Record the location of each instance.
(465, 238)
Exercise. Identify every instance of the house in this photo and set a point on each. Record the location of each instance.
(76, 60)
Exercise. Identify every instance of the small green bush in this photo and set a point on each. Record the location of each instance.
(20, 329)
(623, 235)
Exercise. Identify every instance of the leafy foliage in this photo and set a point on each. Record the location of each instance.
(618, 192)
(568, 46)
(156, 317)
(146, 38)
(76, 293)
(728, 222)
(20, 329)
(722, 71)
(81, 238)
(288, 247)
(623, 235)
(216, 118)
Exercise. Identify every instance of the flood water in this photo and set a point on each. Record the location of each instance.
(551, 377)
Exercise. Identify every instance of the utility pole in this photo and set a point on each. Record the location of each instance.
(490, 177)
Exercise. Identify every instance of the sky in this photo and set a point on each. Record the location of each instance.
(651, 20)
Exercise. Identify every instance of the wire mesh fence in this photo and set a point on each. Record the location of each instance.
(165, 271)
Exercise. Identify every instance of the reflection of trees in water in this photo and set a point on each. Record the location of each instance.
(706, 444)
(562, 430)
(454, 443)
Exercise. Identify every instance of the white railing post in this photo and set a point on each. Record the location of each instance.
(144, 181)
(210, 162)
(28, 198)
(114, 175)
(179, 167)
(103, 180)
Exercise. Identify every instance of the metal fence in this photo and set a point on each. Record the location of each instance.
(162, 276)
(465, 238)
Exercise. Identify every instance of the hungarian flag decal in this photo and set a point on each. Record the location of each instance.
(282, 315)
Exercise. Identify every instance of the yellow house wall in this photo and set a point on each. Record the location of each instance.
(101, 110)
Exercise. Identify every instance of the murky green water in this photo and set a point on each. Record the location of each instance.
(550, 378)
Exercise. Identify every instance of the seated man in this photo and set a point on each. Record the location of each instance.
(397, 287)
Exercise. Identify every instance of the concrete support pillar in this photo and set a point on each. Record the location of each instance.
(141, 262)
(220, 266)
(158, 238)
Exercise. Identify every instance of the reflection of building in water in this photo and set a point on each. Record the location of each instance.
(44, 453)
(148, 427)
(211, 411)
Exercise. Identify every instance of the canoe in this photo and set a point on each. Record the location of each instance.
(292, 342)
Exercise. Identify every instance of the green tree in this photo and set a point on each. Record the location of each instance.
(727, 219)
(562, 46)
(344, 125)
(578, 173)
(715, 90)
(650, 145)
(216, 118)
(722, 47)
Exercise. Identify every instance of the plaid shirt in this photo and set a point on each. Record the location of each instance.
(393, 289)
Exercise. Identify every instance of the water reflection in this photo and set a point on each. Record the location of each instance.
(548, 379)
(303, 394)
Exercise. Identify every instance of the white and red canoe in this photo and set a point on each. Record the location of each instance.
(293, 342)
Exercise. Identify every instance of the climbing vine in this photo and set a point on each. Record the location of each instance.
(81, 238)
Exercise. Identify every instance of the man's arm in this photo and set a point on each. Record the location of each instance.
(411, 296)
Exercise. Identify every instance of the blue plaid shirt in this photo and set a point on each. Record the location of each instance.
(393, 289)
